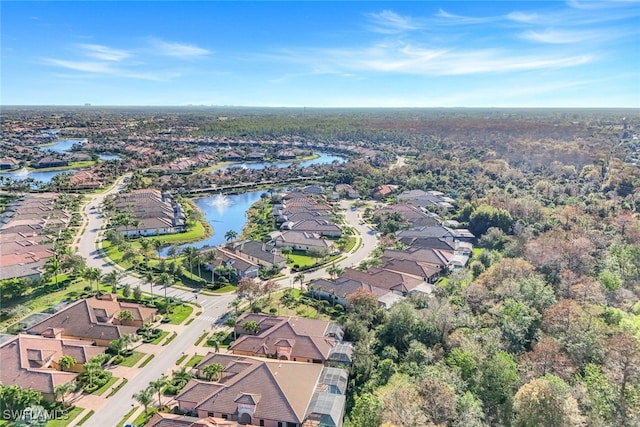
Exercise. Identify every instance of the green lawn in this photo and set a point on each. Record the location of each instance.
(126, 417)
(300, 259)
(225, 289)
(133, 359)
(162, 335)
(107, 386)
(351, 242)
(180, 313)
(143, 364)
(194, 360)
(66, 419)
(181, 359)
(86, 417)
(40, 300)
(144, 417)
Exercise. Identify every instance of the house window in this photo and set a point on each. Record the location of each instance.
(224, 416)
(262, 423)
(210, 414)
(279, 424)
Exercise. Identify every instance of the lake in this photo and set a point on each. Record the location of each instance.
(63, 145)
(224, 213)
(23, 174)
(323, 158)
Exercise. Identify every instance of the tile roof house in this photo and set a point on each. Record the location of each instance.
(319, 226)
(94, 319)
(437, 231)
(258, 252)
(300, 240)
(155, 213)
(267, 392)
(162, 419)
(243, 266)
(292, 338)
(33, 361)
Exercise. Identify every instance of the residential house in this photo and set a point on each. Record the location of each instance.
(265, 392)
(301, 241)
(292, 338)
(429, 198)
(153, 213)
(94, 319)
(258, 252)
(243, 266)
(7, 163)
(50, 162)
(165, 419)
(317, 226)
(384, 191)
(33, 362)
(346, 190)
(437, 231)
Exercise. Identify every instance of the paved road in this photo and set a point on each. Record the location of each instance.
(117, 406)
(212, 306)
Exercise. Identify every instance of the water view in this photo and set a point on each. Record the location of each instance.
(63, 145)
(224, 213)
(324, 158)
(23, 174)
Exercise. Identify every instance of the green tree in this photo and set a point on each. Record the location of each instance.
(230, 235)
(252, 327)
(15, 399)
(66, 362)
(212, 371)
(158, 385)
(499, 377)
(486, 216)
(144, 397)
(367, 411)
(546, 401)
(62, 390)
(125, 315)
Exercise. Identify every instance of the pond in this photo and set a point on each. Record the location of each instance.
(109, 157)
(323, 158)
(224, 213)
(23, 174)
(63, 145)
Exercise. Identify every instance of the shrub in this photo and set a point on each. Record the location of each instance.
(117, 360)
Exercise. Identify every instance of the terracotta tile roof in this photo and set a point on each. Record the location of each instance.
(91, 319)
(27, 361)
(284, 388)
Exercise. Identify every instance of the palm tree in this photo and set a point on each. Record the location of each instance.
(335, 271)
(157, 244)
(62, 390)
(91, 369)
(149, 278)
(189, 253)
(92, 274)
(182, 376)
(112, 278)
(209, 257)
(66, 362)
(299, 278)
(251, 327)
(232, 322)
(158, 385)
(230, 235)
(144, 397)
(52, 267)
(212, 371)
(125, 315)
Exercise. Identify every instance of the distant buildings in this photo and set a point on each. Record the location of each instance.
(26, 230)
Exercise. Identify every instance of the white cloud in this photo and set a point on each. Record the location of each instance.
(106, 69)
(524, 17)
(389, 22)
(560, 36)
(450, 18)
(103, 53)
(179, 50)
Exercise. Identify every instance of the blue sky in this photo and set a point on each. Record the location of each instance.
(577, 53)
